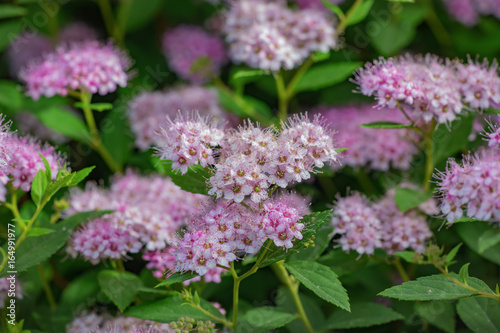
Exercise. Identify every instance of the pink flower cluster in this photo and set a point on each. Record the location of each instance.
(7, 284)
(148, 212)
(316, 4)
(378, 149)
(269, 36)
(194, 54)
(5, 144)
(494, 136)
(429, 87)
(364, 226)
(467, 12)
(23, 165)
(86, 66)
(148, 110)
(216, 237)
(472, 189)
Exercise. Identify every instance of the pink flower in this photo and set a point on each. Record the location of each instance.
(6, 144)
(467, 11)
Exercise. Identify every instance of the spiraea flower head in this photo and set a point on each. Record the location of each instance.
(195, 55)
(6, 146)
(471, 189)
(189, 141)
(87, 66)
(377, 149)
(494, 135)
(467, 12)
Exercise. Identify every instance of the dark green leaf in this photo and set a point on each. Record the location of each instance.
(321, 242)
(407, 198)
(120, 287)
(480, 314)
(448, 142)
(470, 234)
(11, 96)
(176, 278)
(360, 13)
(117, 137)
(38, 187)
(65, 123)
(385, 125)
(9, 31)
(263, 319)
(312, 223)
(321, 280)
(362, 315)
(9, 11)
(312, 307)
(195, 180)
(81, 289)
(438, 313)
(141, 13)
(325, 75)
(488, 239)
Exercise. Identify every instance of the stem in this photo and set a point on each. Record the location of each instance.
(282, 96)
(436, 26)
(343, 22)
(429, 163)
(13, 204)
(401, 270)
(121, 20)
(222, 321)
(298, 75)
(46, 287)
(293, 286)
(108, 17)
(96, 141)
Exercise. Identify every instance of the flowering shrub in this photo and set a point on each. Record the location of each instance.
(250, 166)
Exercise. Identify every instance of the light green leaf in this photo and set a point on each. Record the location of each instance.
(488, 239)
(79, 176)
(312, 223)
(195, 180)
(360, 13)
(450, 256)
(385, 125)
(11, 96)
(466, 220)
(321, 241)
(407, 198)
(120, 287)
(176, 278)
(408, 256)
(480, 314)
(325, 75)
(38, 187)
(363, 314)
(9, 31)
(10, 11)
(64, 122)
(99, 107)
(321, 280)
(463, 275)
(334, 8)
(263, 319)
(438, 313)
(38, 231)
(246, 75)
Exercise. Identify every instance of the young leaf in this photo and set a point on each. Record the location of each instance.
(321, 280)
(334, 8)
(176, 278)
(38, 187)
(480, 314)
(48, 170)
(79, 176)
(385, 125)
(120, 287)
(99, 107)
(363, 314)
(38, 231)
(463, 275)
(488, 239)
(450, 256)
(408, 256)
(312, 223)
(466, 220)
(325, 75)
(195, 180)
(263, 319)
(246, 75)
(360, 13)
(407, 198)
(438, 313)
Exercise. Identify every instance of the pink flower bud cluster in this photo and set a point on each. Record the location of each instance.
(471, 189)
(494, 136)
(269, 36)
(467, 12)
(148, 110)
(429, 87)
(5, 286)
(195, 55)
(86, 66)
(148, 212)
(364, 226)
(23, 165)
(6, 147)
(224, 231)
(377, 149)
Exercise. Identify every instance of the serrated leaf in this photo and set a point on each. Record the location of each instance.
(363, 314)
(312, 223)
(385, 125)
(321, 280)
(79, 176)
(450, 256)
(433, 288)
(407, 198)
(321, 242)
(263, 319)
(120, 287)
(38, 231)
(360, 13)
(438, 313)
(48, 170)
(176, 278)
(64, 122)
(480, 314)
(488, 239)
(325, 75)
(194, 180)
(463, 275)
(408, 256)
(38, 187)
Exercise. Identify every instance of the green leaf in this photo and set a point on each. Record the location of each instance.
(82, 289)
(433, 288)
(9, 31)
(363, 314)
(360, 13)
(471, 233)
(170, 309)
(38, 231)
(312, 308)
(195, 180)
(176, 278)
(480, 314)
(141, 13)
(407, 198)
(408, 256)
(333, 8)
(246, 75)
(321, 280)
(385, 125)
(99, 107)
(448, 142)
(120, 287)
(245, 106)
(116, 136)
(320, 56)
(10, 11)
(466, 220)
(79, 176)
(450, 256)
(438, 313)
(65, 123)
(38, 187)
(263, 319)
(463, 275)
(488, 239)
(321, 242)
(312, 223)
(325, 75)
(11, 96)
(48, 170)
